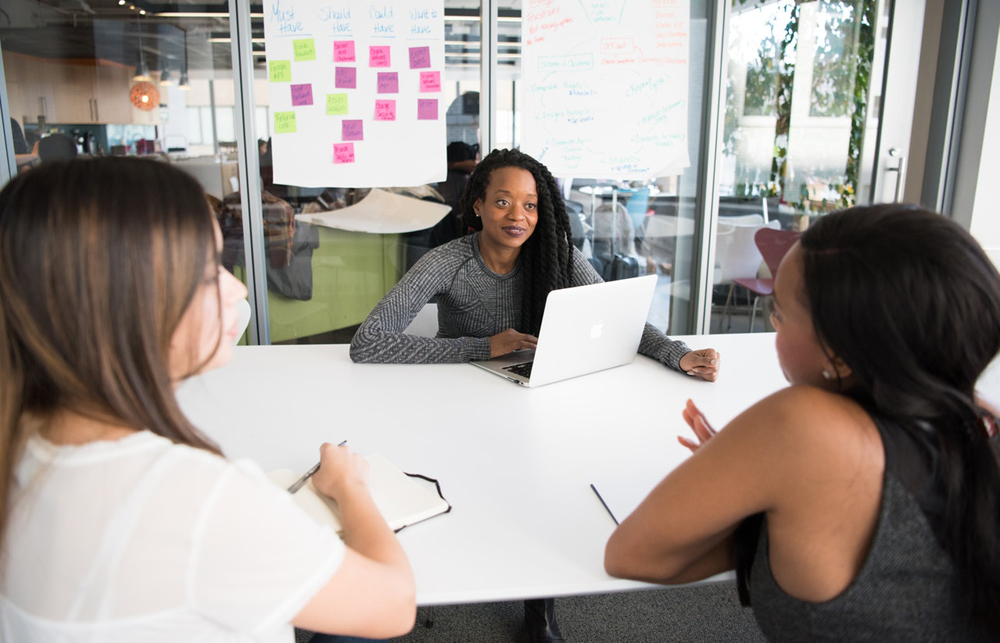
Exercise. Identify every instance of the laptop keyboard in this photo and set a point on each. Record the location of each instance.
(523, 369)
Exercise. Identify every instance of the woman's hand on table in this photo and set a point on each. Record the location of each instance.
(509, 341)
(702, 429)
(702, 363)
(341, 472)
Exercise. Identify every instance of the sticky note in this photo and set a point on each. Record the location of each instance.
(378, 56)
(305, 49)
(353, 130)
(430, 81)
(385, 110)
(427, 109)
(284, 122)
(420, 57)
(343, 51)
(346, 78)
(302, 95)
(336, 104)
(343, 152)
(388, 82)
(281, 71)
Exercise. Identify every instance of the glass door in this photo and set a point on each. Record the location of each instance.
(817, 118)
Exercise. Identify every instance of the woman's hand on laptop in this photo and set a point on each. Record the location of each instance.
(509, 341)
(702, 363)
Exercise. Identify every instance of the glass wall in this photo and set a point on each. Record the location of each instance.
(322, 281)
(801, 116)
(120, 78)
(650, 221)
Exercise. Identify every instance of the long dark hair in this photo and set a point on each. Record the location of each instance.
(546, 257)
(99, 259)
(911, 303)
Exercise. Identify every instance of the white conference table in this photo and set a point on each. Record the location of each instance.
(516, 464)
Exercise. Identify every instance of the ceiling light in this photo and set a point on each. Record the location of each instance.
(165, 78)
(184, 82)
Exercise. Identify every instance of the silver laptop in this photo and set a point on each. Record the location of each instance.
(584, 330)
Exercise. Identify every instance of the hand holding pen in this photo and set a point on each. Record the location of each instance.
(340, 471)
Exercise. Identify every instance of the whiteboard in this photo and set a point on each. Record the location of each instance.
(355, 92)
(606, 87)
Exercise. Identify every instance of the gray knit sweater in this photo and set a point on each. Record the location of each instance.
(474, 303)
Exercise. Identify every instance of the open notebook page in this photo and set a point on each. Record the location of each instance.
(402, 500)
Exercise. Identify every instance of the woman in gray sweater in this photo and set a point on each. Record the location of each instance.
(491, 286)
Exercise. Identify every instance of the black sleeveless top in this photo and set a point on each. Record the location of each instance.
(906, 589)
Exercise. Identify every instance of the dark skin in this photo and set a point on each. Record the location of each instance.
(509, 212)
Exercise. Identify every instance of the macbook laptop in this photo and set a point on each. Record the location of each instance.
(584, 330)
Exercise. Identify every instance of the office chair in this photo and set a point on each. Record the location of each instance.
(773, 245)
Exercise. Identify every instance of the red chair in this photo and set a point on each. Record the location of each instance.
(773, 244)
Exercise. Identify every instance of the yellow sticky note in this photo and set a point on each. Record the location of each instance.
(281, 71)
(336, 104)
(305, 49)
(284, 122)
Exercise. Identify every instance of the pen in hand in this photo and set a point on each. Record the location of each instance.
(308, 474)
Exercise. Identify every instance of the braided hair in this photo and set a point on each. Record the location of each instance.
(546, 257)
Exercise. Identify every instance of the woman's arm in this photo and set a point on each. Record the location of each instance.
(778, 457)
(372, 594)
(380, 338)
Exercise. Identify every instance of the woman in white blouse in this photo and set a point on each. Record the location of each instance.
(119, 520)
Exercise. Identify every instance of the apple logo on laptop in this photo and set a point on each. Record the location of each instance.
(597, 330)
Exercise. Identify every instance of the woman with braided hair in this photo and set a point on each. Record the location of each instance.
(491, 286)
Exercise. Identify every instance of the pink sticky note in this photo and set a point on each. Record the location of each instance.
(302, 95)
(388, 82)
(385, 110)
(427, 109)
(353, 130)
(343, 152)
(343, 51)
(420, 57)
(346, 78)
(430, 81)
(378, 56)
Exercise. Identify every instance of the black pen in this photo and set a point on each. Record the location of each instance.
(598, 493)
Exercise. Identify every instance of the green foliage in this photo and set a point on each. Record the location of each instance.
(865, 56)
(786, 77)
(836, 60)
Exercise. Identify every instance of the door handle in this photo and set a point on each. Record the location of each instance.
(899, 169)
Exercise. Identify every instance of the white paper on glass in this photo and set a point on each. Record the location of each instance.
(606, 87)
(381, 212)
(383, 64)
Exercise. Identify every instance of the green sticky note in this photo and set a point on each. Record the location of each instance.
(284, 122)
(281, 71)
(305, 49)
(336, 104)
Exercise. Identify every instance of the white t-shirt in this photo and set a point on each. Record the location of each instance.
(142, 539)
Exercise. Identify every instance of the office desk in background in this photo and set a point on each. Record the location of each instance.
(515, 463)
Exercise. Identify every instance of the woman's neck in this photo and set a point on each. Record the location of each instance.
(65, 427)
(499, 259)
